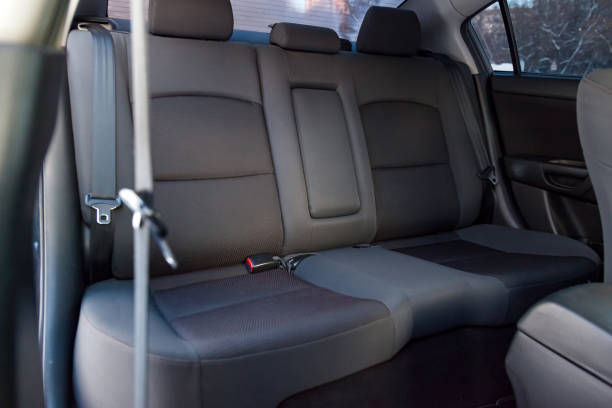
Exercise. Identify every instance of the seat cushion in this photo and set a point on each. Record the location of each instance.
(271, 332)
(424, 297)
(530, 264)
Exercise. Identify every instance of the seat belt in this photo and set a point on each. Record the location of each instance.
(103, 196)
(144, 220)
(470, 117)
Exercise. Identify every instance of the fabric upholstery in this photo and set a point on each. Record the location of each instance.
(560, 355)
(423, 165)
(270, 332)
(288, 149)
(594, 104)
(348, 213)
(389, 31)
(300, 37)
(423, 297)
(529, 264)
(326, 153)
(217, 194)
(202, 19)
(92, 8)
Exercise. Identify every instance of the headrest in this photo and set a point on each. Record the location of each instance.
(301, 37)
(201, 19)
(91, 8)
(389, 31)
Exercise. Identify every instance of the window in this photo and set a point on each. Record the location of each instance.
(553, 37)
(489, 26)
(565, 37)
(344, 16)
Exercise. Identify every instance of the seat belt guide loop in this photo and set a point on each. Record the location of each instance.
(103, 207)
(143, 212)
(489, 174)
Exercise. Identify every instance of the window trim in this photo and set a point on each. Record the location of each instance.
(474, 44)
(516, 61)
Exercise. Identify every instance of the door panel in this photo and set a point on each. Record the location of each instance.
(537, 116)
(542, 156)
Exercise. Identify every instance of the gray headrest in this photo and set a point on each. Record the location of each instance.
(301, 37)
(91, 8)
(201, 19)
(389, 31)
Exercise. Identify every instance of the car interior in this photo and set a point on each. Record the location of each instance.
(353, 203)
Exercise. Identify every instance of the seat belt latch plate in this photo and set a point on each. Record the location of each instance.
(262, 262)
(103, 207)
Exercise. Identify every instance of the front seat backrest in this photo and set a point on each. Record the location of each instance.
(595, 127)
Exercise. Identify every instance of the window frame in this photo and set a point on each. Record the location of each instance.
(477, 50)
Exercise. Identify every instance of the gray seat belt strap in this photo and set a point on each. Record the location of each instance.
(470, 117)
(145, 220)
(103, 195)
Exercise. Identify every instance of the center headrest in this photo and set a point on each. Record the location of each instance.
(300, 37)
(201, 19)
(389, 31)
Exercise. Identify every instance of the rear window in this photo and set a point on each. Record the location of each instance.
(343, 16)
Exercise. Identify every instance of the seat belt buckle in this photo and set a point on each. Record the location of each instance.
(489, 175)
(263, 262)
(103, 207)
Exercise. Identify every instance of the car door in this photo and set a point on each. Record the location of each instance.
(536, 52)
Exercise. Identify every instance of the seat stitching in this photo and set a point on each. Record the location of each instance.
(215, 309)
(171, 179)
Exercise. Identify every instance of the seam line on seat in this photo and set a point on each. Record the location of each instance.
(409, 166)
(245, 302)
(580, 367)
(160, 357)
(331, 336)
(162, 95)
(176, 179)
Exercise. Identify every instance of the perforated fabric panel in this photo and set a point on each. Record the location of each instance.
(528, 277)
(260, 312)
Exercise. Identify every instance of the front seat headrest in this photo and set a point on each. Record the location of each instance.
(389, 31)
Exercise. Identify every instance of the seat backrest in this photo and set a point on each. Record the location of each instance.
(317, 140)
(423, 164)
(594, 105)
(214, 178)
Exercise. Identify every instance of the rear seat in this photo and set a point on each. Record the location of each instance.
(247, 340)
(286, 149)
(428, 195)
(327, 196)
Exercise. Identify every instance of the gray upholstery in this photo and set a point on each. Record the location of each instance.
(202, 181)
(300, 37)
(202, 19)
(329, 171)
(423, 166)
(271, 333)
(423, 297)
(325, 156)
(286, 149)
(562, 353)
(594, 104)
(529, 264)
(389, 31)
(91, 8)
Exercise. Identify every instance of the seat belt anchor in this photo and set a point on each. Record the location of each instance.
(103, 207)
(489, 175)
(143, 212)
